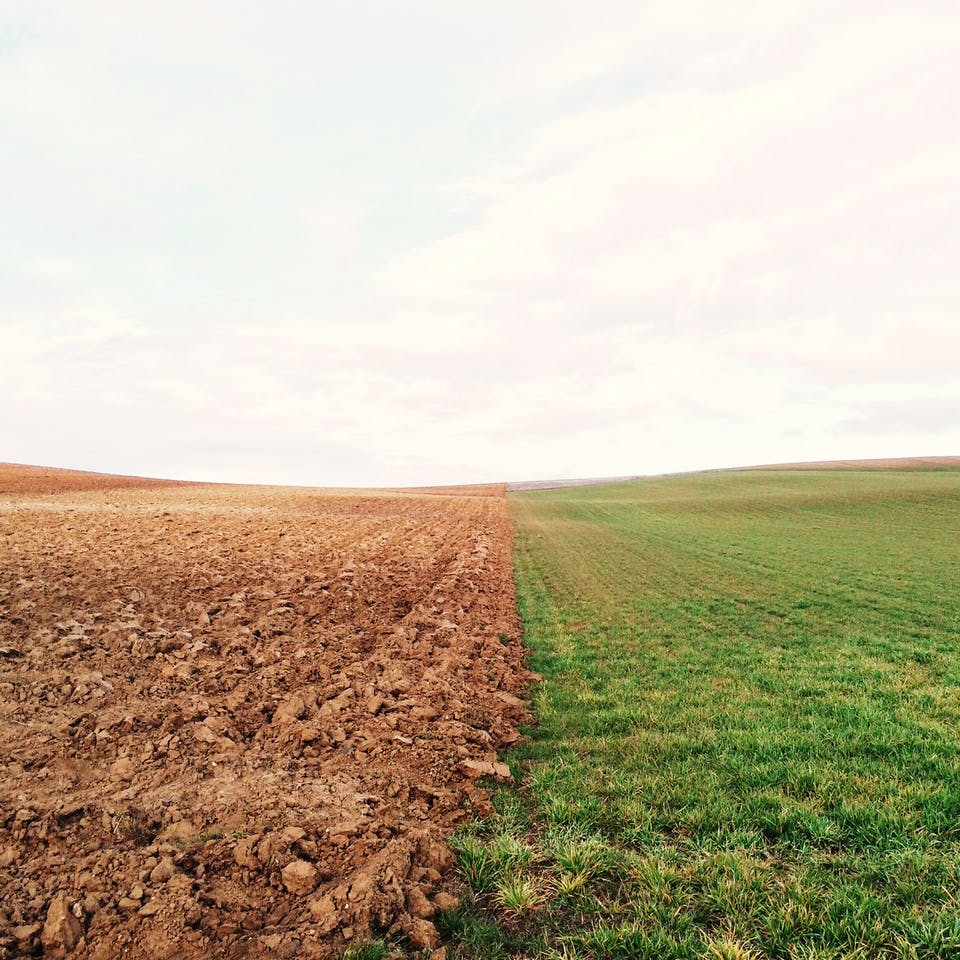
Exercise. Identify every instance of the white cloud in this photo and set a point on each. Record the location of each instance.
(338, 245)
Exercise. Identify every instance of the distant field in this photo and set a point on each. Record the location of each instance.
(883, 463)
(23, 479)
(749, 740)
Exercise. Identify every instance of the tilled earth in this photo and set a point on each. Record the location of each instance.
(242, 721)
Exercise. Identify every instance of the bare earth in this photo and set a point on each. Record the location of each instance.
(242, 721)
(24, 479)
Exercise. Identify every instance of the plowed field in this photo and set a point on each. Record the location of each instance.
(241, 721)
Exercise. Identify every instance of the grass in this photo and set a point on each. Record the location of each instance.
(367, 950)
(749, 739)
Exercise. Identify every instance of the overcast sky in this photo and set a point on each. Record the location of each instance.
(385, 243)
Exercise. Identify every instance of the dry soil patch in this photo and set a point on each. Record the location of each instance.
(242, 721)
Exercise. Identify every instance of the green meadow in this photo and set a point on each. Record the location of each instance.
(749, 723)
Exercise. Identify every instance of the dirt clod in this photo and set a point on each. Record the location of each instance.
(61, 929)
(421, 933)
(299, 877)
(418, 904)
(445, 902)
(163, 871)
(486, 768)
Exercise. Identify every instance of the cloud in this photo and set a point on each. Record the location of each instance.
(922, 417)
(351, 245)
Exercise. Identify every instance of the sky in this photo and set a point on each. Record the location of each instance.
(372, 243)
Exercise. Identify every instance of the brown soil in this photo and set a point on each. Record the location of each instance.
(466, 490)
(16, 478)
(243, 721)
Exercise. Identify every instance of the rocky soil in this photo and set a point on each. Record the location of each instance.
(241, 721)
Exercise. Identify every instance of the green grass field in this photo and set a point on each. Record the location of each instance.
(749, 739)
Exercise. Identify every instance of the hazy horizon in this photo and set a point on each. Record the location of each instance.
(516, 484)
